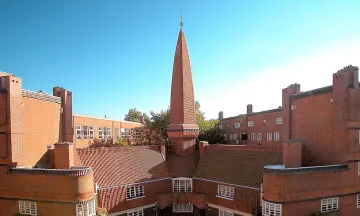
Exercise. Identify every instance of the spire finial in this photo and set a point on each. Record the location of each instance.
(181, 23)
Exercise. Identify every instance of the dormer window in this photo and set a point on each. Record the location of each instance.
(135, 191)
(182, 184)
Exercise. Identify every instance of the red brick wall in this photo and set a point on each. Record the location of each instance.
(41, 121)
(114, 199)
(269, 126)
(245, 199)
(312, 122)
(228, 127)
(3, 129)
(46, 187)
(286, 188)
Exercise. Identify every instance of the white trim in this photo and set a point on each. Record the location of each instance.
(229, 210)
(132, 210)
(228, 184)
(137, 183)
(123, 121)
(182, 179)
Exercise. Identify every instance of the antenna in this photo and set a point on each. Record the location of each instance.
(181, 23)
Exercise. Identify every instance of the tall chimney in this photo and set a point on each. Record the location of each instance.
(249, 108)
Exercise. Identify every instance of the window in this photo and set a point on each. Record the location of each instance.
(237, 125)
(276, 136)
(225, 136)
(78, 131)
(259, 136)
(27, 207)
(125, 133)
(85, 131)
(101, 133)
(279, 120)
(253, 136)
(234, 137)
(91, 132)
(269, 136)
(182, 207)
(271, 209)
(225, 191)
(359, 168)
(133, 192)
(225, 213)
(220, 126)
(86, 209)
(250, 123)
(182, 185)
(358, 200)
(136, 213)
(329, 204)
(108, 133)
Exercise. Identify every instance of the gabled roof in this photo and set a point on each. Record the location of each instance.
(114, 166)
(240, 165)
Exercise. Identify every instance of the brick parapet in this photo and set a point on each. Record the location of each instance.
(78, 171)
(280, 170)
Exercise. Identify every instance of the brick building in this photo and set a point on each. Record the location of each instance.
(309, 161)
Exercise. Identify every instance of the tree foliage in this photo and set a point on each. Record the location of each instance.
(108, 143)
(134, 115)
(145, 136)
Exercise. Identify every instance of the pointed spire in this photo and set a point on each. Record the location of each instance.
(181, 22)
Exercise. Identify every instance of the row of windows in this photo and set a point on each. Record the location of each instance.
(231, 136)
(182, 207)
(252, 123)
(133, 192)
(86, 209)
(87, 132)
(269, 136)
(182, 185)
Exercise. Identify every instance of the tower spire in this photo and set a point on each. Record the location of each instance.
(181, 22)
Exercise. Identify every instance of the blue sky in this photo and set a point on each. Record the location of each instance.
(116, 55)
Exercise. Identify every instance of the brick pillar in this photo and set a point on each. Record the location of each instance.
(66, 120)
(286, 110)
(14, 108)
(64, 155)
(202, 147)
(292, 154)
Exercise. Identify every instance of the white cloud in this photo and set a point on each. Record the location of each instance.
(263, 90)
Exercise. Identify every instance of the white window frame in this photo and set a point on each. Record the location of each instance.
(136, 213)
(182, 208)
(225, 136)
(135, 192)
(85, 132)
(236, 125)
(78, 132)
(86, 209)
(259, 136)
(182, 184)
(235, 136)
(220, 126)
(108, 132)
(358, 200)
(226, 192)
(250, 124)
(276, 136)
(330, 204)
(269, 136)
(101, 132)
(125, 133)
(253, 136)
(91, 132)
(225, 213)
(27, 207)
(271, 209)
(279, 120)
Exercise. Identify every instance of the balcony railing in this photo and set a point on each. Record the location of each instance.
(75, 171)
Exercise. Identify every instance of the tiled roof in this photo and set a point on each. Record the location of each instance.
(182, 166)
(115, 166)
(241, 165)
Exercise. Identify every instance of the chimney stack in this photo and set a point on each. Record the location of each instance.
(221, 115)
(249, 109)
(64, 155)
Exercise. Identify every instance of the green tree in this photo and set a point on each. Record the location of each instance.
(159, 122)
(134, 115)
